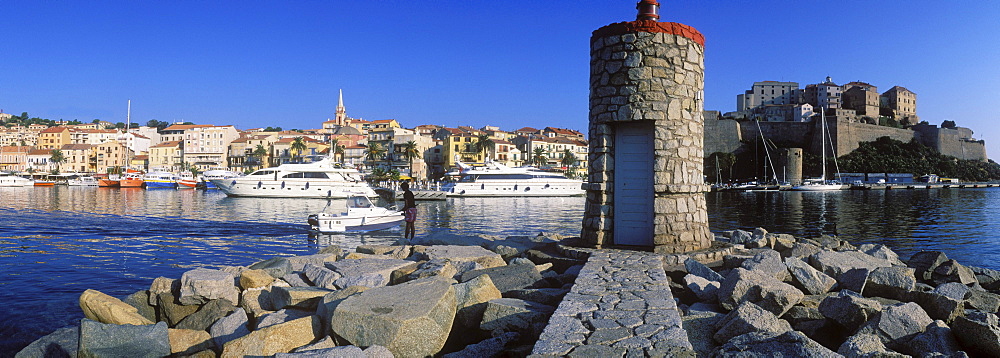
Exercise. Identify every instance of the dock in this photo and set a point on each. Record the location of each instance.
(424, 195)
(911, 186)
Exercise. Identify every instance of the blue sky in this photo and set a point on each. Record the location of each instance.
(505, 63)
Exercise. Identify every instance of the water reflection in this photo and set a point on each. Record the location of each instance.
(960, 222)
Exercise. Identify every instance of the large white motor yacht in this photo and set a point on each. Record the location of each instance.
(495, 179)
(7, 179)
(322, 179)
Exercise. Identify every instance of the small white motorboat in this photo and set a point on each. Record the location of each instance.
(83, 181)
(361, 215)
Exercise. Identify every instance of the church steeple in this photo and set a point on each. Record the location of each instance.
(341, 117)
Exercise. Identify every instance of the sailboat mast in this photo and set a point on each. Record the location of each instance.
(128, 116)
(718, 174)
(128, 123)
(822, 139)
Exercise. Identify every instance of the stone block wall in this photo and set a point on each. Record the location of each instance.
(722, 136)
(650, 71)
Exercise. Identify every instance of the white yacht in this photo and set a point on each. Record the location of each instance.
(361, 215)
(495, 179)
(322, 179)
(82, 181)
(8, 179)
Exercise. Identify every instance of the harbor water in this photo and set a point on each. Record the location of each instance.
(56, 242)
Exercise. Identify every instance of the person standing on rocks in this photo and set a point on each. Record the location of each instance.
(409, 209)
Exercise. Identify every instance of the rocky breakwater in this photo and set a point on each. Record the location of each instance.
(825, 297)
(409, 300)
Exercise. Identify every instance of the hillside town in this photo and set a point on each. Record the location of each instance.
(422, 152)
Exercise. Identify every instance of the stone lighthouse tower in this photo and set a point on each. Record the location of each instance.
(646, 186)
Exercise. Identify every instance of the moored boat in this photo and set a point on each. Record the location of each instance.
(209, 175)
(322, 179)
(131, 180)
(160, 179)
(822, 184)
(83, 181)
(8, 179)
(361, 215)
(186, 180)
(42, 182)
(495, 179)
(111, 181)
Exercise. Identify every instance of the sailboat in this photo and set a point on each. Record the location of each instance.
(821, 184)
(132, 178)
(774, 183)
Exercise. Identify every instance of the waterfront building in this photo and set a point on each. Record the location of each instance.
(76, 158)
(354, 155)
(283, 153)
(14, 158)
(167, 156)
(109, 156)
(241, 155)
(456, 143)
(38, 160)
(139, 161)
(204, 146)
(384, 132)
(506, 153)
(424, 144)
(553, 149)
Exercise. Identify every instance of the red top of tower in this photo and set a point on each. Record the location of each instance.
(646, 21)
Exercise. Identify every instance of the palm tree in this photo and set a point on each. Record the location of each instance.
(57, 157)
(483, 144)
(568, 159)
(336, 148)
(410, 152)
(538, 156)
(298, 146)
(374, 152)
(259, 152)
(339, 149)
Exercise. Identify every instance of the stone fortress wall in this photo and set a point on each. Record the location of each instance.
(724, 135)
